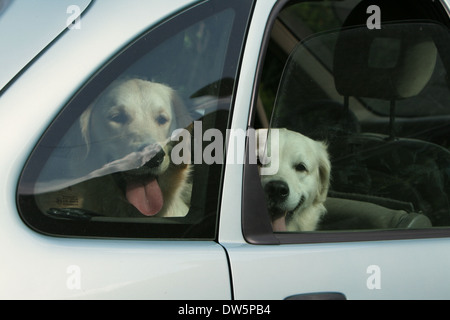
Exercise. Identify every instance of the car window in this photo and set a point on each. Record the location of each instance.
(118, 160)
(357, 102)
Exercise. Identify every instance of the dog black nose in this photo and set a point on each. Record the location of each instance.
(156, 160)
(277, 190)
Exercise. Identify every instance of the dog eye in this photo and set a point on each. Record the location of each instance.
(301, 167)
(119, 117)
(161, 120)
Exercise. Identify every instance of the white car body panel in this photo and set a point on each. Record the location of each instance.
(359, 270)
(55, 268)
(372, 270)
(109, 269)
(48, 20)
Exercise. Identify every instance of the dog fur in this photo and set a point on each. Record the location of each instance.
(126, 137)
(296, 193)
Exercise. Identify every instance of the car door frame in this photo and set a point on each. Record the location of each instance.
(267, 266)
(38, 266)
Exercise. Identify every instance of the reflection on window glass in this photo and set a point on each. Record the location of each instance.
(355, 120)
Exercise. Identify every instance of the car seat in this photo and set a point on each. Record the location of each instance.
(393, 63)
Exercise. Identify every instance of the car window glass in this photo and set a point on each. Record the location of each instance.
(359, 108)
(118, 160)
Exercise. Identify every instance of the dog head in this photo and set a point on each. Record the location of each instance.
(129, 116)
(128, 128)
(303, 176)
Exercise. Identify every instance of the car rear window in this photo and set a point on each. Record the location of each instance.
(117, 161)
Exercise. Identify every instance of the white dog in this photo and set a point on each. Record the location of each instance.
(126, 133)
(296, 193)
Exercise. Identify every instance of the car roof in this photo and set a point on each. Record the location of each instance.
(27, 27)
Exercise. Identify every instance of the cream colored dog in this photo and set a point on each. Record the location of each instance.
(296, 193)
(126, 160)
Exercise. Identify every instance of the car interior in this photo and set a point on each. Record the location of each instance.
(380, 100)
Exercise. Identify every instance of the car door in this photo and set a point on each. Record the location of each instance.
(333, 71)
(76, 227)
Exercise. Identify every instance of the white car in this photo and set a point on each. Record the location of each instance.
(98, 201)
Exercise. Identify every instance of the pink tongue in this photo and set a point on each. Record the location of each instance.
(279, 224)
(147, 198)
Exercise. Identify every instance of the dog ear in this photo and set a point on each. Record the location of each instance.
(261, 138)
(324, 172)
(85, 120)
(182, 118)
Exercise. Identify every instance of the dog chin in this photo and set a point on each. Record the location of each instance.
(281, 216)
(277, 209)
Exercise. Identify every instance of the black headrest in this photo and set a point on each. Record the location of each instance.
(390, 63)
